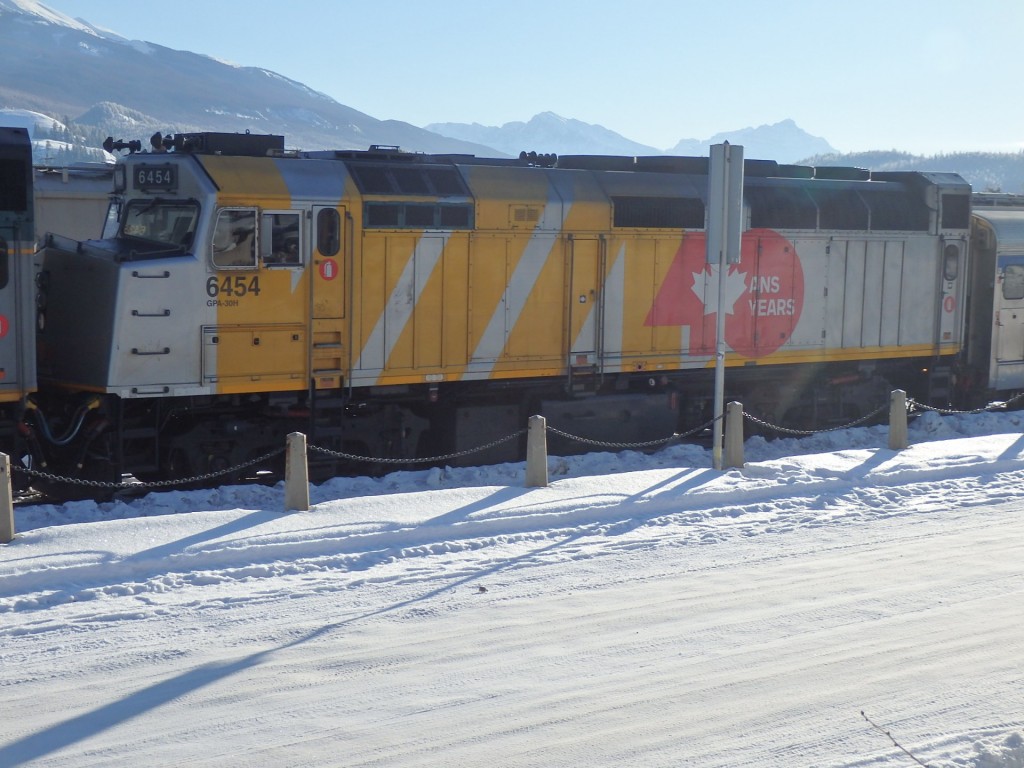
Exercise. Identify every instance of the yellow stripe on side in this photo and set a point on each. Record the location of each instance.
(238, 177)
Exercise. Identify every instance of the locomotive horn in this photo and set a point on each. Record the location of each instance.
(132, 146)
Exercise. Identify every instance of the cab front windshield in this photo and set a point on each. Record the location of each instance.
(164, 222)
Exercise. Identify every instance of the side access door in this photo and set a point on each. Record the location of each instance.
(585, 321)
(329, 347)
(1008, 330)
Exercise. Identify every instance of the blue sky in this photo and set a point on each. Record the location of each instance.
(926, 76)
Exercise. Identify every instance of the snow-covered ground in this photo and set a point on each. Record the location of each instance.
(639, 611)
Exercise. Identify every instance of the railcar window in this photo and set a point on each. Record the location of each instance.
(658, 212)
(408, 180)
(234, 238)
(328, 231)
(5, 264)
(279, 239)
(372, 180)
(446, 181)
(13, 185)
(840, 209)
(455, 216)
(781, 208)
(165, 222)
(112, 222)
(419, 215)
(383, 214)
(956, 211)
(1013, 282)
(896, 211)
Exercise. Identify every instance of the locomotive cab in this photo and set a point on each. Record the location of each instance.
(212, 323)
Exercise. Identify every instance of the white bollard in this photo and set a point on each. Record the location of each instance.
(898, 420)
(296, 474)
(537, 453)
(6, 501)
(733, 436)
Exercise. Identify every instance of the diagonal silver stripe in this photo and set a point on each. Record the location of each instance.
(401, 303)
(517, 292)
(614, 297)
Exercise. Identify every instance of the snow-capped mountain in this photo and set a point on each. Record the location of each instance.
(548, 132)
(47, 148)
(148, 87)
(784, 142)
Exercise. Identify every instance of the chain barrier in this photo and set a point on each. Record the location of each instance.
(626, 446)
(424, 460)
(138, 485)
(159, 484)
(914, 410)
(807, 432)
(1003, 404)
(912, 406)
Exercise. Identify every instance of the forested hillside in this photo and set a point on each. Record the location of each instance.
(985, 171)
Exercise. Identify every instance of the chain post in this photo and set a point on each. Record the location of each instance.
(296, 474)
(733, 436)
(537, 453)
(898, 420)
(6, 501)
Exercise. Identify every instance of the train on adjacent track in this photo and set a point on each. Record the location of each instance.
(401, 305)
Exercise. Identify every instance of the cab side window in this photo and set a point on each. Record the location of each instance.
(234, 238)
(328, 232)
(1013, 282)
(5, 270)
(280, 243)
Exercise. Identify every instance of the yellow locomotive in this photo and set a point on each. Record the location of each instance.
(393, 304)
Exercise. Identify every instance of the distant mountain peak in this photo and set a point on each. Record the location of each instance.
(545, 132)
(197, 93)
(783, 141)
(35, 11)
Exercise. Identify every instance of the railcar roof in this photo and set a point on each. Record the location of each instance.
(1008, 226)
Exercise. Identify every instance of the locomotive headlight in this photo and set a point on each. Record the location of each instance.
(951, 265)
(120, 178)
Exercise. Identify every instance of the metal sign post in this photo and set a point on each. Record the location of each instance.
(725, 225)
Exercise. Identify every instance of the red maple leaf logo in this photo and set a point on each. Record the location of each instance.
(763, 295)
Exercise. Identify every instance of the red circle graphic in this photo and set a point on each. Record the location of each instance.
(763, 295)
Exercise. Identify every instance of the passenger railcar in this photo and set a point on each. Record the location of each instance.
(993, 363)
(17, 314)
(393, 304)
(74, 201)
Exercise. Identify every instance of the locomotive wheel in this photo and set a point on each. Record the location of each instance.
(178, 466)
